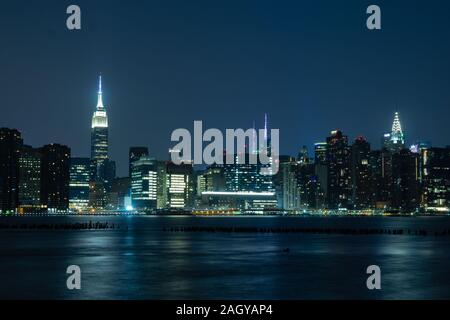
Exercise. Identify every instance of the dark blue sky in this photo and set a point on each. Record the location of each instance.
(312, 65)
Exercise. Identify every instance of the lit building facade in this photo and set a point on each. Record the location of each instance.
(144, 179)
(55, 177)
(10, 144)
(360, 174)
(79, 184)
(309, 186)
(99, 139)
(286, 184)
(405, 181)
(180, 185)
(435, 179)
(161, 191)
(241, 201)
(246, 176)
(321, 166)
(338, 171)
(98, 195)
(29, 180)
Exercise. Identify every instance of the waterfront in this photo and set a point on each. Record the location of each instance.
(140, 260)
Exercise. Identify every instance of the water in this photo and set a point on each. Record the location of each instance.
(141, 261)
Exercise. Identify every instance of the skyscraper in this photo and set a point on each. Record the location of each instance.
(320, 166)
(338, 162)
(29, 180)
(435, 179)
(79, 183)
(405, 181)
(360, 174)
(380, 169)
(144, 179)
(161, 192)
(99, 139)
(10, 144)
(243, 174)
(286, 184)
(55, 177)
(180, 185)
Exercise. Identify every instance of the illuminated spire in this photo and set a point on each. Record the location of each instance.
(100, 98)
(254, 139)
(397, 136)
(265, 127)
(396, 126)
(100, 119)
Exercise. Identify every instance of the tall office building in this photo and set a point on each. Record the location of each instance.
(29, 180)
(161, 191)
(99, 140)
(338, 167)
(200, 183)
(285, 182)
(79, 184)
(134, 154)
(360, 174)
(405, 181)
(10, 144)
(378, 188)
(107, 173)
(321, 166)
(310, 189)
(435, 168)
(144, 179)
(246, 176)
(55, 177)
(180, 185)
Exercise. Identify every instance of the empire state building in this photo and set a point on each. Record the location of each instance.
(101, 167)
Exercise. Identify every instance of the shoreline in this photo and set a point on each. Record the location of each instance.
(243, 215)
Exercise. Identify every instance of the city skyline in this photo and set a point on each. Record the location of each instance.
(343, 174)
(311, 75)
(100, 145)
(217, 158)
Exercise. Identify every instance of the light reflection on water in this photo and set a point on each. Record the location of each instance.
(140, 261)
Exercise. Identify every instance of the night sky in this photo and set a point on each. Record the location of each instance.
(313, 66)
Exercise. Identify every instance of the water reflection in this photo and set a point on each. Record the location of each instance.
(140, 261)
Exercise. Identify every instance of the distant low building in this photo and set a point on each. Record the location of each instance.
(119, 198)
(97, 195)
(242, 201)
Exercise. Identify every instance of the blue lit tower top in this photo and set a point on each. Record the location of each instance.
(397, 137)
